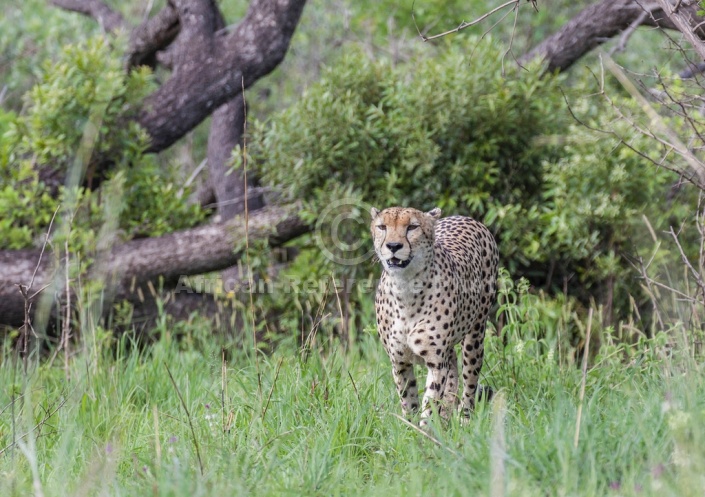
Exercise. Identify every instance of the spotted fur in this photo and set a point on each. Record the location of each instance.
(438, 284)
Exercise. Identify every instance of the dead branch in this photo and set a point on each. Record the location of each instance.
(621, 44)
(154, 34)
(592, 27)
(466, 24)
(697, 277)
(109, 19)
(684, 16)
(209, 63)
(671, 141)
(39, 425)
(131, 265)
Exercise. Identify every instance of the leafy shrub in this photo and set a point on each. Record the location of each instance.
(31, 32)
(80, 111)
(452, 132)
(458, 132)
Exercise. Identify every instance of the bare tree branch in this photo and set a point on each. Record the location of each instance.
(627, 33)
(684, 15)
(209, 65)
(591, 27)
(201, 84)
(135, 263)
(109, 19)
(466, 24)
(155, 34)
(661, 132)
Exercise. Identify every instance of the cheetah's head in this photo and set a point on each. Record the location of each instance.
(403, 237)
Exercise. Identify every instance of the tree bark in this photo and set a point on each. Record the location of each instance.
(133, 264)
(155, 34)
(211, 65)
(597, 24)
(229, 185)
(109, 19)
(683, 14)
(210, 72)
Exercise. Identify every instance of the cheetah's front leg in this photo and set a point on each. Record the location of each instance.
(435, 387)
(406, 387)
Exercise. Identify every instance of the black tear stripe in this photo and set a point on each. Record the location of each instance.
(411, 250)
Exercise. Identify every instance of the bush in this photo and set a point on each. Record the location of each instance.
(458, 132)
(75, 114)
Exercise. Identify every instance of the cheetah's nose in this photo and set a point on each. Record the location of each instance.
(394, 246)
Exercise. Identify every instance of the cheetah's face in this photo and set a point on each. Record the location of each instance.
(403, 237)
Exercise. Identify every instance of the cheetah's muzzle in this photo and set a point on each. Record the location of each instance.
(395, 263)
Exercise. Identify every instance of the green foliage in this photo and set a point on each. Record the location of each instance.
(593, 196)
(456, 131)
(155, 202)
(83, 95)
(31, 32)
(77, 114)
(451, 132)
(326, 424)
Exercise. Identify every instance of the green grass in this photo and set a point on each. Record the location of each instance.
(328, 426)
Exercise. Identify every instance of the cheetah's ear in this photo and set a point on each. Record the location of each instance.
(374, 212)
(434, 213)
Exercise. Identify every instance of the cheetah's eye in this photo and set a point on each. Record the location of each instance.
(412, 227)
(381, 227)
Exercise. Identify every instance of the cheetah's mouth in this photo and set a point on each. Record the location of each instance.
(398, 263)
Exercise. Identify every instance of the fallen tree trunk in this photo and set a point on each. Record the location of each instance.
(130, 266)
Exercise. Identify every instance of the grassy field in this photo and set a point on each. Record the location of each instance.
(112, 422)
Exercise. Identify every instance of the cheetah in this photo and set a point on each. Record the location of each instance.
(438, 284)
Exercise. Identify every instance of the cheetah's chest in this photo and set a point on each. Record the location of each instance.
(435, 309)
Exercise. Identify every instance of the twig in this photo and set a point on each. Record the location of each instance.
(576, 439)
(24, 291)
(44, 245)
(683, 20)
(274, 383)
(515, 9)
(432, 439)
(674, 142)
(677, 292)
(692, 176)
(627, 33)
(9, 405)
(250, 279)
(357, 394)
(686, 262)
(252, 192)
(463, 24)
(193, 176)
(38, 425)
(343, 322)
(188, 416)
